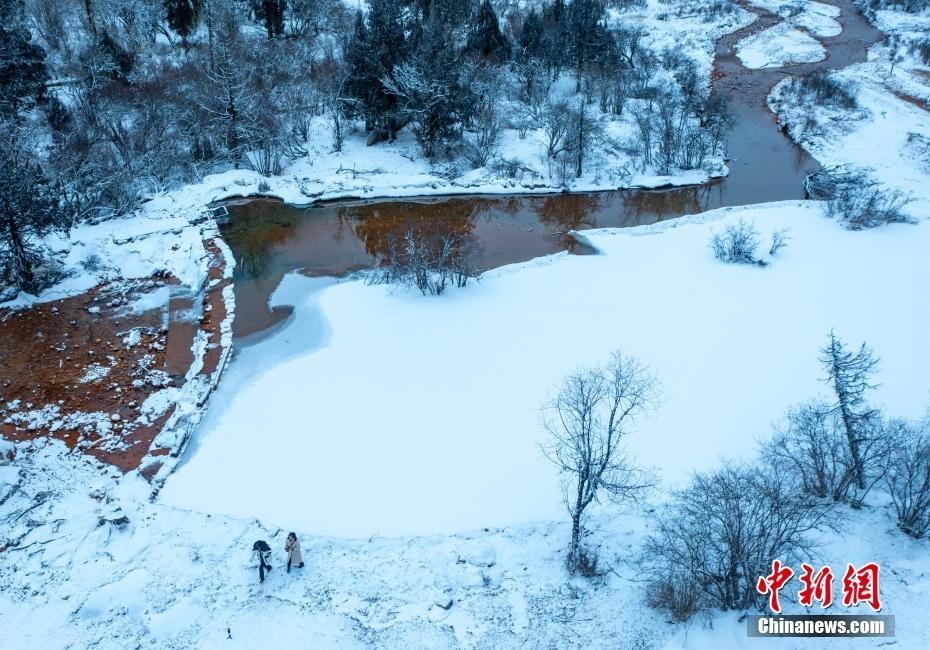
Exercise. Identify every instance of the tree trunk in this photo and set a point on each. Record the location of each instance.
(853, 445)
(25, 278)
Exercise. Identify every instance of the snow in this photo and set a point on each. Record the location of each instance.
(172, 578)
(777, 46)
(817, 18)
(851, 136)
(348, 421)
(405, 414)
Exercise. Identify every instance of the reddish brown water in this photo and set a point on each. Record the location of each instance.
(270, 238)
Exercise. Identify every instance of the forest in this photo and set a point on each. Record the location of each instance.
(107, 102)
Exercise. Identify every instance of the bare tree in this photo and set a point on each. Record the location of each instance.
(588, 422)
(556, 124)
(487, 132)
(813, 443)
(908, 479)
(717, 536)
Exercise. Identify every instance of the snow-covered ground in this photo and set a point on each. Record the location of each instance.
(376, 414)
(778, 46)
(420, 397)
(887, 134)
(794, 39)
(817, 18)
(397, 443)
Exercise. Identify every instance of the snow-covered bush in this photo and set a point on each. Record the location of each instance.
(854, 199)
(823, 89)
(737, 244)
(812, 442)
(431, 264)
(908, 479)
(714, 538)
(675, 592)
(479, 147)
(860, 207)
(921, 50)
(779, 242)
(910, 6)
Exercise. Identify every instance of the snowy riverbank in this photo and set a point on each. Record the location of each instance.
(729, 362)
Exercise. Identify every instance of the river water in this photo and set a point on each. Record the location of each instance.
(270, 238)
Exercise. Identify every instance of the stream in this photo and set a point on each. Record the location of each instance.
(270, 238)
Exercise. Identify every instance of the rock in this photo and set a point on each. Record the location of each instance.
(114, 516)
(93, 310)
(479, 555)
(445, 603)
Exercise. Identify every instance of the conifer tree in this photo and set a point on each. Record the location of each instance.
(28, 211)
(182, 15)
(23, 74)
(485, 39)
(848, 375)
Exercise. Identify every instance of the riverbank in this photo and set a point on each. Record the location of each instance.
(311, 436)
(95, 559)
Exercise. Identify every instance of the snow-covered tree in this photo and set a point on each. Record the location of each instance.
(23, 74)
(28, 211)
(848, 374)
(429, 91)
(588, 422)
(377, 46)
(485, 39)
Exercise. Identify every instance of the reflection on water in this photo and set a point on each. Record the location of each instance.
(270, 238)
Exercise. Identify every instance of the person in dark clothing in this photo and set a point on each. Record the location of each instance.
(263, 551)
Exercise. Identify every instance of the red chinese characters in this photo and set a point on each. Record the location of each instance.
(861, 586)
(817, 586)
(773, 583)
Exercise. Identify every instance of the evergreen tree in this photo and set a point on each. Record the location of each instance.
(587, 37)
(274, 17)
(376, 48)
(555, 34)
(23, 74)
(532, 37)
(485, 39)
(429, 89)
(848, 374)
(28, 210)
(182, 15)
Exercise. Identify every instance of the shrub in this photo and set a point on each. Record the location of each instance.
(824, 89)
(921, 50)
(737, 244)
(779, 241)
(431, 264)
(854, 199)
(677, 593)
(718, 535)
(860, 207)
(908, 480)
(813, 444)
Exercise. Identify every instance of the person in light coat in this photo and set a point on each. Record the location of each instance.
(292, 548)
